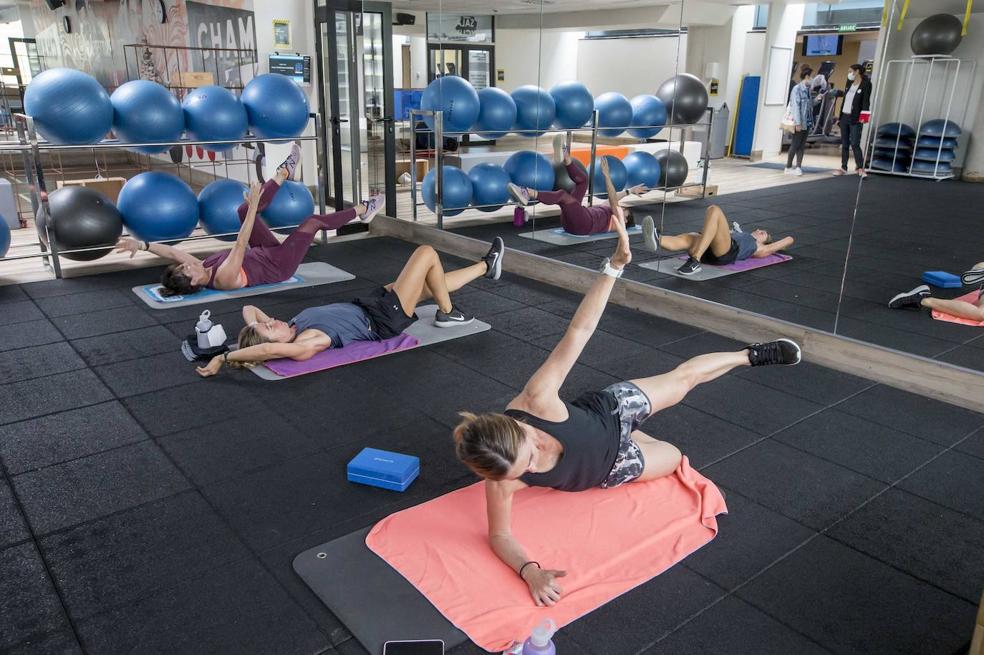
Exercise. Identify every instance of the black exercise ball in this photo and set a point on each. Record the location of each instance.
(939, 34)
(673, 168)
(81, 218)
(685, 97)
(563, 181)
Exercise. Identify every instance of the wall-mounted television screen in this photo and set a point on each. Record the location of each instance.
(820, 45)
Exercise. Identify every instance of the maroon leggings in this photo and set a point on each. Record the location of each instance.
(269, 260)
(575, 217)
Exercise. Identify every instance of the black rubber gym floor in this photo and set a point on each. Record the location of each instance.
(146, 510)
(903, 227)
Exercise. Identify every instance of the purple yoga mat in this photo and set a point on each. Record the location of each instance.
(333, 357)
(750, 263)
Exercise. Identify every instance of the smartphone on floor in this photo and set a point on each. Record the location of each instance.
(414, 647)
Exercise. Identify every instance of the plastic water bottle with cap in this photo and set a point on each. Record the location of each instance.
(540, 642)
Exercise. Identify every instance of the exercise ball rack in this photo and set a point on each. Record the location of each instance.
(593, 128)
(32, 147)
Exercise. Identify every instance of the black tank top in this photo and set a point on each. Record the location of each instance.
(590, 437)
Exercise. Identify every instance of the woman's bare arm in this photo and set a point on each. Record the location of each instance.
(227, 276)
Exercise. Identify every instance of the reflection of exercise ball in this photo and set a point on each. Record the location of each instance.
(940, 128)
(212, 113)
(276, 107)
(616, 170)
(489, 183)
(894, 143)
(673, 168)
(574, 105)
(146, 112)
(456, 98)
(4, 237)
(650, 112)
(685, 97)
(562, 179)
(217, 207)
(642, 168)
(889, 154)
(290, 205)
(896, 129)
(939, 34)
(886, 164)
(614, 113)
(934, 154)
(535, 110)
(933, 168)
(158, 206)
(80, 218)
(530, 169)
(68, 106)
(926, 141)
(496, 114)
(457, 191)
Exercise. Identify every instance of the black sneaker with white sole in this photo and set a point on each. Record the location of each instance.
(452, 319)
(493, 259)
(689, 267)
(910, 299)
(781, 352)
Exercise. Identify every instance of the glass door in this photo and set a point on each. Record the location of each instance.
(377, 75)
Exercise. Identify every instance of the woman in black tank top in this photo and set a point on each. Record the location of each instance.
(592, 441)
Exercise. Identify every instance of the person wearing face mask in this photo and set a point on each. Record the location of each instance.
(801, 111)
(857, 99)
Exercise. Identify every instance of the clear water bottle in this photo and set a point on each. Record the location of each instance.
(540, 642)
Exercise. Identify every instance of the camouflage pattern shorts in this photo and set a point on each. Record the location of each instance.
(633, 408)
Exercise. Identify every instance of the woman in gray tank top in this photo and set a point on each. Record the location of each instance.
(593, 441)
(716, 244)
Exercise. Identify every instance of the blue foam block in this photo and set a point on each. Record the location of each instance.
(381, 468)
(942, 279)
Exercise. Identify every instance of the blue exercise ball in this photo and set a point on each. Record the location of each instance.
(158, 206)
(616, 170)
(530, 169)
(68, 106)
(896, 129)
(146, 112)
(213, 113)
(574, 105)
(290, 205)
(456, 192)
(489, 182)
(4, 237)
(535, 110)
(685, 97)
(276, 107)
(940, 128)
(648, 116)
(641, 168)
(456, 98)
(218, 203)
(673, 168)
(496, 114)
(614, 113)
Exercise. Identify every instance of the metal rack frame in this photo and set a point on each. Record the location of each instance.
(31, 147)
(912, 62)
(593, 128)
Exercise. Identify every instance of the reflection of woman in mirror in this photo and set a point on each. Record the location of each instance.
(716, 244)
(801, 110)
(920, 297)
(857, 98)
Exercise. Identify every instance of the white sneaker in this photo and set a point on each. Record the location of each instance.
(649, 234)
(797, 171)
(560, 148)
(519, 194)
(789, 171)
(373, 206)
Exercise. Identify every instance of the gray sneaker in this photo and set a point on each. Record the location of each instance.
(910, 299)
(493, 259)
(649, 234)
(293, 160)
(519, 194)
(452, 319)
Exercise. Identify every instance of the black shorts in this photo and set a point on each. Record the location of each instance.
(385, 313)
(729, 257)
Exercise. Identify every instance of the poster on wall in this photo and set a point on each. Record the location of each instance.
(230, 36)
(281, 34)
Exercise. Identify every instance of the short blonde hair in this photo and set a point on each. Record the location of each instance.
(248, 336)
(488, 444)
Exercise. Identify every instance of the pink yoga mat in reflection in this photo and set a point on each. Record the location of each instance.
(333, 357)
(608, 540)
(967, 297)
(750, 263)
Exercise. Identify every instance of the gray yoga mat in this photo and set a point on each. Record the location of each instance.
(310, 274)
(709, 272)
(558, 237)
(375, 603)
(423, 330)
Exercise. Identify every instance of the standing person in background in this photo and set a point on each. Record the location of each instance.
(857, 99)
(801, 110)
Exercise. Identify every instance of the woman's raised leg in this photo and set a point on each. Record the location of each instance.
(716, 234)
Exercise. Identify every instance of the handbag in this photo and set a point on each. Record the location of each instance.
(788, 120)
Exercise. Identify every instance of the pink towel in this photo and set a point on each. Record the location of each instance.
(608, 540)
(333, 357)
(750, 263)
(949, 318)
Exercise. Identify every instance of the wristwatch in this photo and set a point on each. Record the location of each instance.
(606, 269)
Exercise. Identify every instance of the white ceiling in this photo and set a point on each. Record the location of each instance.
(525, 6)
